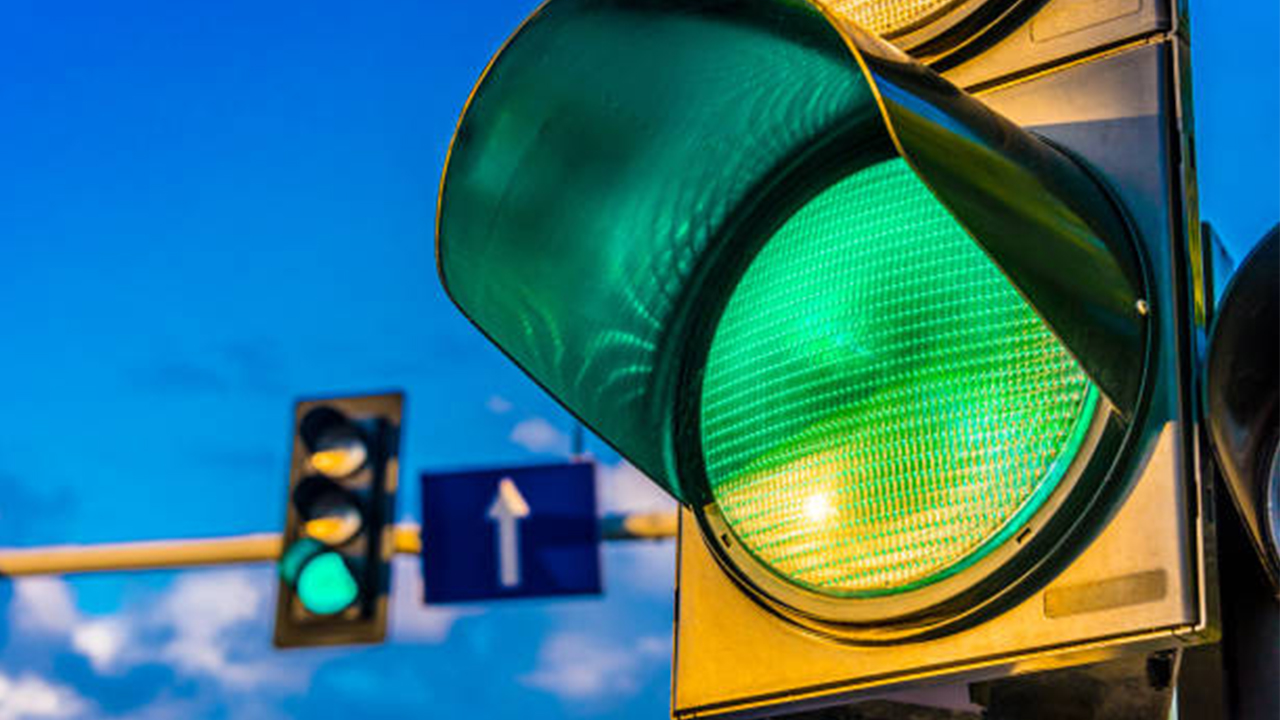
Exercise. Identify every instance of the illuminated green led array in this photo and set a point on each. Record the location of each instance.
(880, 407)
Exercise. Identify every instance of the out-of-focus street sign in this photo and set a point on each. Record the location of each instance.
(510, 533)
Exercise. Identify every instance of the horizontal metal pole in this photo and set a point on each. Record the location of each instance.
(639, 526)
(258, 547)
(147, 555)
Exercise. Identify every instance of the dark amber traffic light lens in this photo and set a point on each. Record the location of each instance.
(337, 447)
(338, 455)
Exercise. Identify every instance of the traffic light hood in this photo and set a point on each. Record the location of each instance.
(621, 163)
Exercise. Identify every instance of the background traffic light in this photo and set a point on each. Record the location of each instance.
(335, 570)
(919, 362)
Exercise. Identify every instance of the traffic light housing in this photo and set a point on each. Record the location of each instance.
(921, 376)
(335, 568)
(1242, 386)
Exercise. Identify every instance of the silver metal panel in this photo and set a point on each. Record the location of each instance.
(1061, 31)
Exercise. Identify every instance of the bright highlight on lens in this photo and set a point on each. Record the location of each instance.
(326, 586)
(339, 455)
(818, 508)
(880, 408)
(886, 17)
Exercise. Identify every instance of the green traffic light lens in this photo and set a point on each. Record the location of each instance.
(326, 586)
(880, 408)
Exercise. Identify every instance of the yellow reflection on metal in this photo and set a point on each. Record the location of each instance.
(886, 17)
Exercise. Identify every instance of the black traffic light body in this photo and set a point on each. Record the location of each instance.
(707, 228)
(338, 543)
(1242, 388)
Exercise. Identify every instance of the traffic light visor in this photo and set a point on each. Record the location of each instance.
(619, 214)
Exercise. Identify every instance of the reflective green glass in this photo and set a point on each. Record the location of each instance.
(880, 407)
(610, 147)
(326, 586)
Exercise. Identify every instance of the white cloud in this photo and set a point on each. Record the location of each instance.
(202, 610)
(208, 624)
(101, 641)
(43, 605)
(538, 435)
(413, 621)
(578, 666)
(624, 489)
(498, 405)
(655, 646)
(30, 696)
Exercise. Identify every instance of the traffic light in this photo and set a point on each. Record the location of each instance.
(335, 570)
(1242, 383)
(910, 336)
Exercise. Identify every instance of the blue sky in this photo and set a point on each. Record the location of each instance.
(208, 210)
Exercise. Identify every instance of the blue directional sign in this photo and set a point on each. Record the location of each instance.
(510, 533)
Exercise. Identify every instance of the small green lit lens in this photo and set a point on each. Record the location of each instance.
(326, 586)
(880, 408)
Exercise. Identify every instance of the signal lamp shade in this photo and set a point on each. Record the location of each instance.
(329, 513)
(865, 327)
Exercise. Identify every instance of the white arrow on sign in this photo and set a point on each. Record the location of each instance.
(507, 509)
